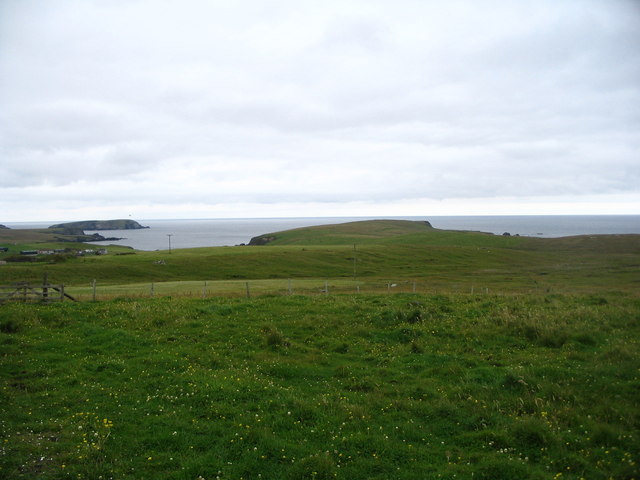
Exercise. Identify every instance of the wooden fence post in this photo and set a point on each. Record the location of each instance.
(290, 289)
(152, 292)
(45, 287)
(248, 291)
(62, 292)
(93, 284)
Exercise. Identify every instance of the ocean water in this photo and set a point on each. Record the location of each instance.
(227, 232)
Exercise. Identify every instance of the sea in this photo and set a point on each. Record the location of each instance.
(165, 234)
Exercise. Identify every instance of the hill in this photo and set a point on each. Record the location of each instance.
(36, 238)
(367, 256)
(366, 231)
(404, 232)
(385, 232)
(375, 231)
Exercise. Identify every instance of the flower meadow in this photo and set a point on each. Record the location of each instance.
(322, 387)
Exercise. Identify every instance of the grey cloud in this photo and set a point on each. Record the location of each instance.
(339, 101)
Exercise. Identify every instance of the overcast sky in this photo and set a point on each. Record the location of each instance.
(251, 108)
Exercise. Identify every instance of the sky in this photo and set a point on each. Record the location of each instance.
(152, 109)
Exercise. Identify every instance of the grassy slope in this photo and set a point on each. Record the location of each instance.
(386, 232)
(386, 251)
(40, 239)
(343, 387)
(12, 237)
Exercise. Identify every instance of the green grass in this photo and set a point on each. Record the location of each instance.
(516, 358)
(434, 269)
(532, 266)
(386, 232)
(344, 386)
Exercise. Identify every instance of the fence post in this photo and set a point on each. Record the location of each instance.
(93, 284)
(326, 288)
(62, 292)
(45, 289)
(152, 292)
(290, 289)
(414, 287)
(204, 290)
(248, 290)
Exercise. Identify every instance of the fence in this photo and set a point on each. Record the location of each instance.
(254, 288)
(23, 292)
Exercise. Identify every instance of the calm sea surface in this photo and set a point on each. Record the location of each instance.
(222, 232)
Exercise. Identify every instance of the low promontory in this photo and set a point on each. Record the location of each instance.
(99, 225)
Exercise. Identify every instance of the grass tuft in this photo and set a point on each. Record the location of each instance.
(9, 325)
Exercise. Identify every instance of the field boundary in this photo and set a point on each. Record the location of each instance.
(26, 293)
(254, 288)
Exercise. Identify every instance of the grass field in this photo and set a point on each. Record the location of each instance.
(370, 386)
(534, 375)
(371, 252)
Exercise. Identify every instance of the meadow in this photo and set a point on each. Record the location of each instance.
(372, 254)
(535, 376)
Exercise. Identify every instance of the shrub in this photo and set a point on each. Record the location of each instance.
(514, 382)
(342, 348)
(275, 338)
(553, 338)
(21, 258)
(597, 301)
(407, 334)
(531, 434)
(416, 347)
(501, 469)
(390, 317)
(586, 339)
(316, 467)
(414, 316)
(395, 317)
(9, 325)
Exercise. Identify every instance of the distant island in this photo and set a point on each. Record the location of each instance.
(77, 229)
(99, 225)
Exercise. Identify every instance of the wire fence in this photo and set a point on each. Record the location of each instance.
(254, 288)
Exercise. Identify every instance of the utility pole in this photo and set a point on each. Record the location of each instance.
(354, 261)
(169, 235)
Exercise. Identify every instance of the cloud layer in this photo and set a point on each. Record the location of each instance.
(246, 108)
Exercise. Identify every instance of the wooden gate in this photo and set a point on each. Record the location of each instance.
(26, 293)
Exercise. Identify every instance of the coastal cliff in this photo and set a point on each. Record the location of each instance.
(75, 230)
(99, 225)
